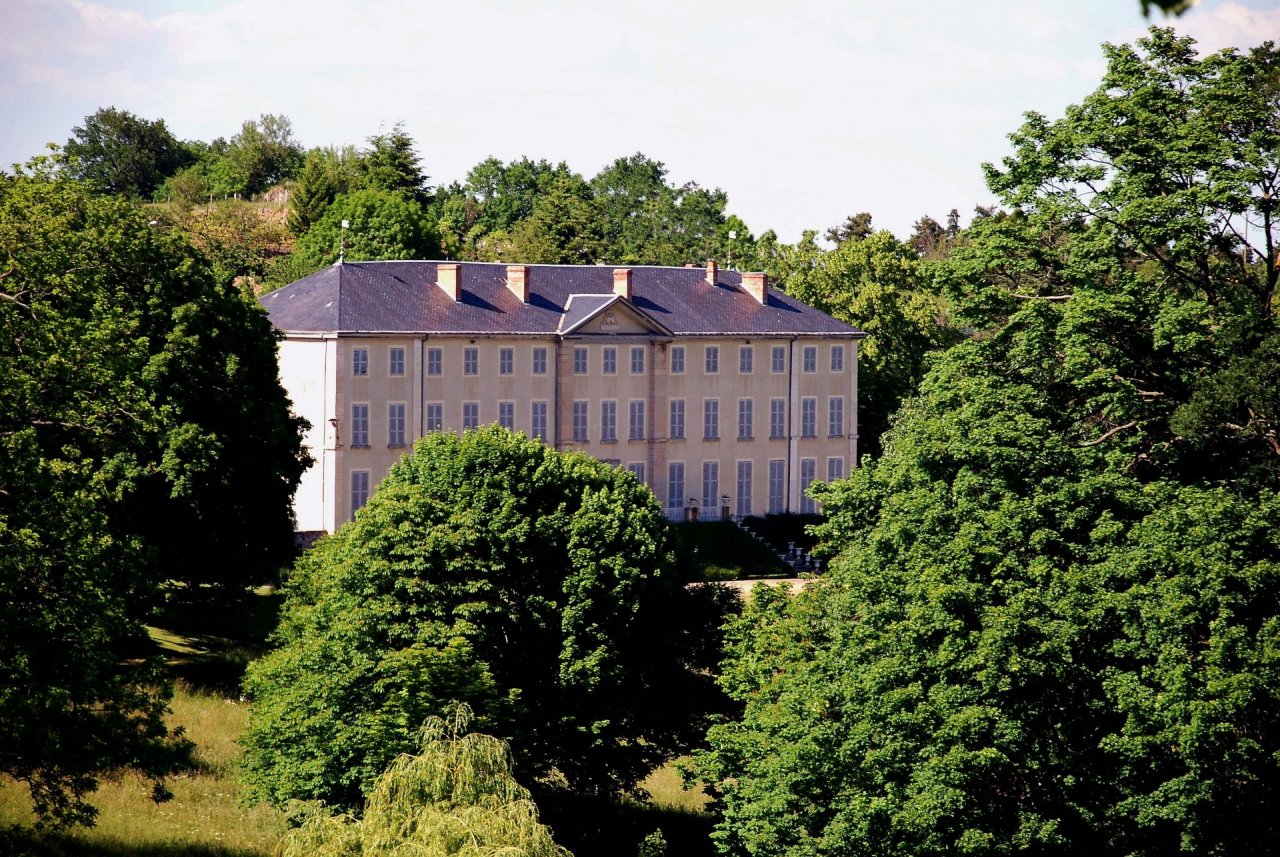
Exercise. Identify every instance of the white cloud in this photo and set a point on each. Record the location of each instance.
(803, 112)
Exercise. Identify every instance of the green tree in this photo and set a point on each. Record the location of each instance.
(855, 228)
(1050, 621)
(647, 221)
(494, 198)
(382, 225)
(456, 796)
(120, 153)
(391, 164)
(325, 174)
(537, 586)
(562, 229)
(878, 284)
(263, 154)
(143, 438)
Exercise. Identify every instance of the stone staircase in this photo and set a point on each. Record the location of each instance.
(792, 557)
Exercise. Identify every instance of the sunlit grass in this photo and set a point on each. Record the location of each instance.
(666, 791)
(205, 816)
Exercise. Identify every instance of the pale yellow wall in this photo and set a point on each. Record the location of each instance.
(656, 386)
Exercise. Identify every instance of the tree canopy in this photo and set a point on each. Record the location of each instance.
(382, 225)
(144, 437)
(534, 585)
(455, 796)
(1051, 618)
(120, 153)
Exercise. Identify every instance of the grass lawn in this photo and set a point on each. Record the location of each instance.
(207, 650)
(204, 819)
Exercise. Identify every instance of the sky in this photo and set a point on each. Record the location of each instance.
(803, 112)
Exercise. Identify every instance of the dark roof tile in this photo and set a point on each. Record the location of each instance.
(403, 297)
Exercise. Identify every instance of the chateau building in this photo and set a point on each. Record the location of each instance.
(718, 393)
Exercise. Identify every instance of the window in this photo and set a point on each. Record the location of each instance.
(711, 419)
(675, 485)
(471, 361)
(779, 363)
(470, 415)
(539, 361)
(835, 468)
(579, 361)
(636, 421)
(506, 361)
(360, 361)
(777, 486)
(777, 418)
(744, 489)
(637, 361)
(610, 361)
(677, 419)
(507, 415)
(579, 420)
(811, 358)
(713, 359)
(395, 424)
(837, 358)
(677, 360)
(360, 425)
(395, 361)
(835, 416)
(608, 421)
(637, 470)
(746, 408)
(435, 361)
(538, 420)
(808, 417)
(359, 491)
(435, 416)
(746, 359)
(711, 485)
(808, 472)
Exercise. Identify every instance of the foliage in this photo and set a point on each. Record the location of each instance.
(1051, 623)
(391, 164)
(383, 225)
(263, 154)
(325, 174)
(456, 796)
(855, 228)
(562, 229)
(120, 153)
(143, 436)
(536, 586)
(877, 284)
(205, 818)
(239, 239)
(647, 221)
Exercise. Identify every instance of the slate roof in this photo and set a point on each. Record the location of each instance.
(402, 297)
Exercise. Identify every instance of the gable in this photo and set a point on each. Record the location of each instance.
(607, 315)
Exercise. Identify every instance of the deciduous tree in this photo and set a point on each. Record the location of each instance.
(1050, 625)
(118, 152)
(535, 585)
(381, 225)
(144, 437)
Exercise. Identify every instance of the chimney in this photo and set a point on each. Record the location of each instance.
(449, 276)
(712, 270)
(622, 282)
(756, 285)
(518, 281)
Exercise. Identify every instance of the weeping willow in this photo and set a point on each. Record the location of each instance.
(456, 797)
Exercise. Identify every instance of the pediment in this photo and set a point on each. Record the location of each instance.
(608, 315)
